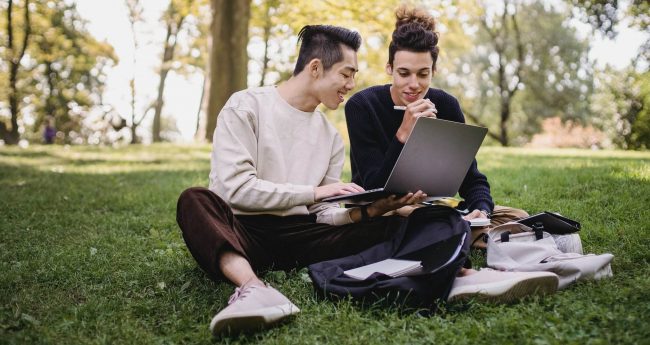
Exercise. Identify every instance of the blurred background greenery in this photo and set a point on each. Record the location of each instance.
(524, 69)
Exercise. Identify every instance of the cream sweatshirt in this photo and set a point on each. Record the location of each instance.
(267, 157)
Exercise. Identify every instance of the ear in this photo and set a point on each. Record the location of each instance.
(315, 68)
(389, 69)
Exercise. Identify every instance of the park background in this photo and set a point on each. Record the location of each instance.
(555, 73)
(90, 251)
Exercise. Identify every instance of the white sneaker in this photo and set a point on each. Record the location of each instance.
(504, 287)
(251, 308)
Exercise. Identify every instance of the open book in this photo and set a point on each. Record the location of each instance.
(389, 267)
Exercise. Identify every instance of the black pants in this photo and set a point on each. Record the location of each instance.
(269, 242)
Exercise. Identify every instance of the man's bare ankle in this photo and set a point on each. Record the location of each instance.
(253, 281)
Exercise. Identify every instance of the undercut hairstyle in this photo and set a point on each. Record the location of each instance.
(324, 42)
(414, 32)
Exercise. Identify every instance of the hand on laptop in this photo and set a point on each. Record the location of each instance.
(420, 108)
(338, 188)
(393, 202)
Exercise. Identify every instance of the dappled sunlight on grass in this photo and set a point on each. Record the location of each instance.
(615, 154)
(491, 158)
(104, 160)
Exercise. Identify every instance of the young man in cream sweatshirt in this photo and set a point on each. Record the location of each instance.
(275, 156)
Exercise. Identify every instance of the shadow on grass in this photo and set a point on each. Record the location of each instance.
(27, 154)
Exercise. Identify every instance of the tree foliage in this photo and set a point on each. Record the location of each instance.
(621, 105)
(511, 63)
(622, 102)
(604, 15)
(176, 18)
(14, 55)
(524, 64)
(63, 73)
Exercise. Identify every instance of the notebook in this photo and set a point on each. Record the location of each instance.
(434, 159)
(390, 267)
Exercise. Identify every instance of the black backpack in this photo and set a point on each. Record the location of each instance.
(435, 235)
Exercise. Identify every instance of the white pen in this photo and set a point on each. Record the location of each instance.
(403, 107)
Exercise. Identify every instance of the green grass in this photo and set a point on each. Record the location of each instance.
(90, 253)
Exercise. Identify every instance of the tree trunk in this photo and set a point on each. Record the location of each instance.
(173, 28)
(504, 101)
(11, 135)
(134, 135)
(134, 124)
(228, 56)
(202, 113)
(168, 54)
(268, 24)
(505, 115)
(199, 132)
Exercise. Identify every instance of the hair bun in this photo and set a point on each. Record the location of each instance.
(406, 14)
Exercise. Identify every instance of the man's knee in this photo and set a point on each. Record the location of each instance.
(190, 201)
(191, 195)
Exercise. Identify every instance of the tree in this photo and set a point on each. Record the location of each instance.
(524, 64)
(228, 55)
(622, 101)
(603, 15)
(270, 8)
(15, 55)
(74, 64)
(175, 19)
(62, 71)
(135, 10)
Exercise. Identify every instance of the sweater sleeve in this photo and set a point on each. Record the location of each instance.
(373, 165)
(474, 189)
(233, 174)
(329, 212)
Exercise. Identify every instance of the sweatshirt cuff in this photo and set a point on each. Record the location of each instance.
(342, 217)
(305, 195)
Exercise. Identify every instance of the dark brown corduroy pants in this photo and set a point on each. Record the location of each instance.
(269, 242)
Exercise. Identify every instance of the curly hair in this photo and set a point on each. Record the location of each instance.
(414, 32)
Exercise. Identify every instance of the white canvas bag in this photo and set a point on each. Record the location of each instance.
(516, 247)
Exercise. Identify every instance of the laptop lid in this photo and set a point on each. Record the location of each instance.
(435, 159)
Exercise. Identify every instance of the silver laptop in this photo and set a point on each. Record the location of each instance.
(435, 160)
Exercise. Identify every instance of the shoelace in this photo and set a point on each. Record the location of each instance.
(240, 293)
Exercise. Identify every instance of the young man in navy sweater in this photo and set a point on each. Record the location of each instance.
(378, 131)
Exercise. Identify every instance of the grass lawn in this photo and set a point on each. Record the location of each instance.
(90, 253)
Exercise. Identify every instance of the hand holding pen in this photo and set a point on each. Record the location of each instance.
(420, 108)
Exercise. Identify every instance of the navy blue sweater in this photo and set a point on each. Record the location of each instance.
(374, 148)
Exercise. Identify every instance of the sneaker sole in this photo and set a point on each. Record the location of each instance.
(237, 323)
(506, 292)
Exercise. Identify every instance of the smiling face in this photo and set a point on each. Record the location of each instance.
(332, 85)
(411, 73)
